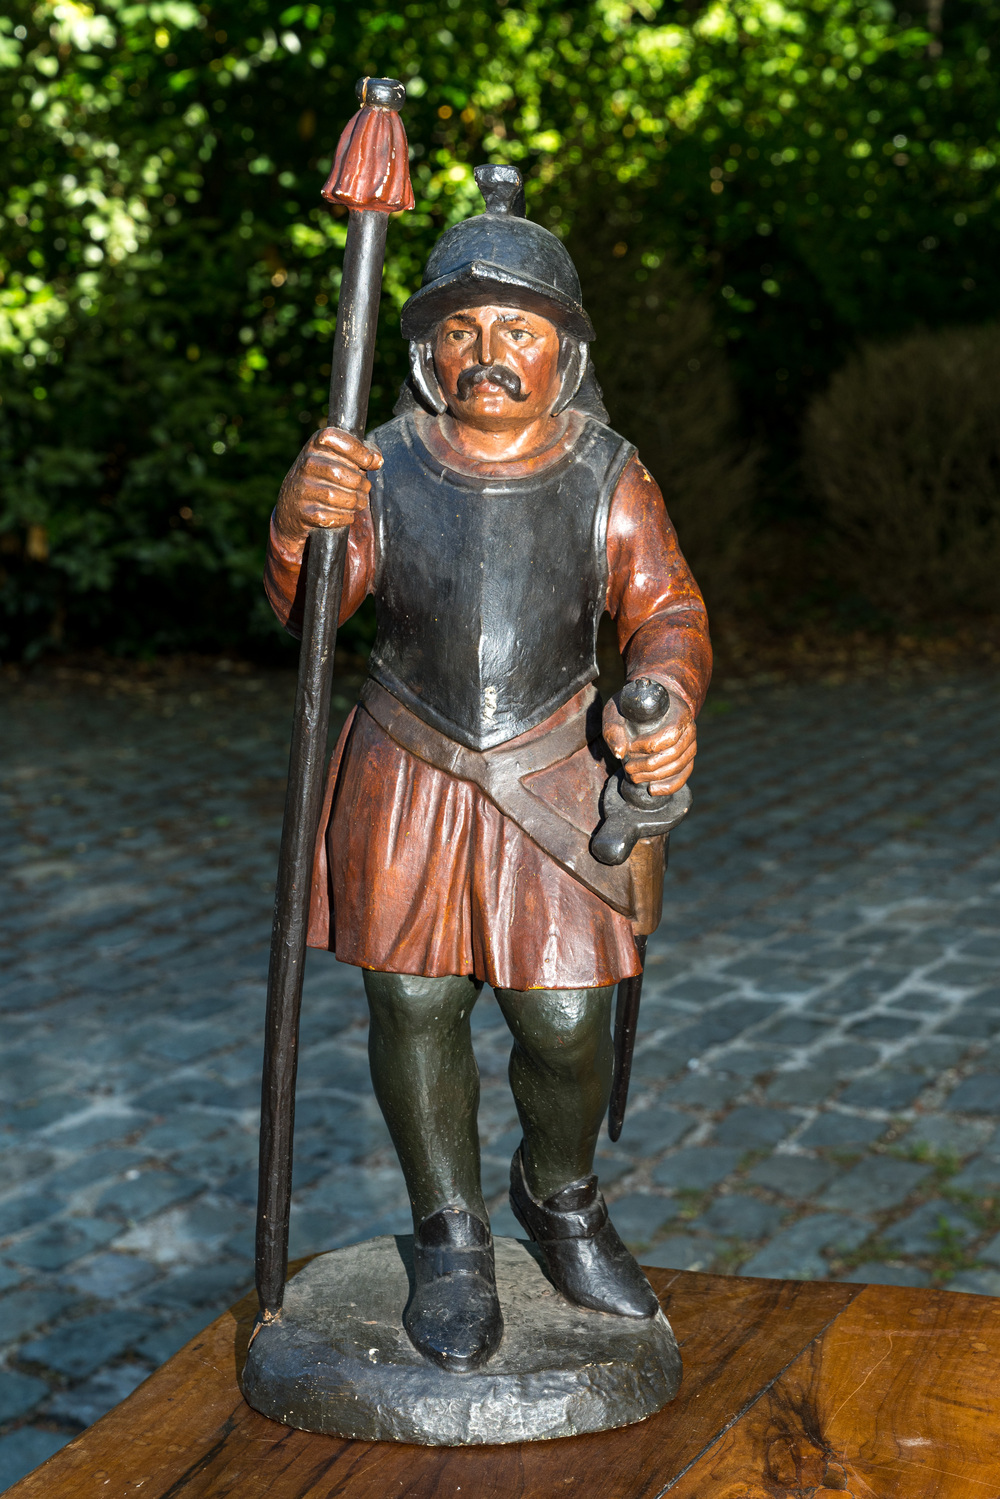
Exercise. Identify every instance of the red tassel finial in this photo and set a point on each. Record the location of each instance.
(372, 166)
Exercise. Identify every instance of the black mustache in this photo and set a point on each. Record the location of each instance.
(494, 374)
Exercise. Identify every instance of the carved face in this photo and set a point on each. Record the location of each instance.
(521, 351)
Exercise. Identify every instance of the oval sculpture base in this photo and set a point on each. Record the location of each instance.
(338, 1360)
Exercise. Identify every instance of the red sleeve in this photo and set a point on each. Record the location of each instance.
(654, 601)
(283, 580)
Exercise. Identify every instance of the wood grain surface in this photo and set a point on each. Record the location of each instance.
(791, 1391)
(898, 1398)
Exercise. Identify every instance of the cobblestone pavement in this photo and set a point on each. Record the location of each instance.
(815, 1090)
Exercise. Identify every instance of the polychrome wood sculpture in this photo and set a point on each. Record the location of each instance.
(476, 826)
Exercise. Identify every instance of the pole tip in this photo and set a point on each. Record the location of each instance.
(371, 169)
(383, 93)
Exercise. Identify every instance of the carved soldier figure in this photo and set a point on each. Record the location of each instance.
(494, 519)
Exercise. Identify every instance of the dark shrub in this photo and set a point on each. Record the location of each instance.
(904, 448)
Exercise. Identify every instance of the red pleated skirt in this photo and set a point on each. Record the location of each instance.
(418, 872)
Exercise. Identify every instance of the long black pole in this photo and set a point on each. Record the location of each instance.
(326, 549)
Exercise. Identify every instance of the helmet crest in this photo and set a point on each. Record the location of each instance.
(502, 188)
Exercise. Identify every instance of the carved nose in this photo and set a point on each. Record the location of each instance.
(486, 339)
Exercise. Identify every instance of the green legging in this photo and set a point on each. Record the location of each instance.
(427, 1082)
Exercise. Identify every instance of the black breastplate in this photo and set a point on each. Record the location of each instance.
(488, 592)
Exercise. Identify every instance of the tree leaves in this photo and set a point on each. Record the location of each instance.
(820, 172)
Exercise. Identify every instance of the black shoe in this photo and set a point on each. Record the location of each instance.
(585, 1257)
(454, 1315)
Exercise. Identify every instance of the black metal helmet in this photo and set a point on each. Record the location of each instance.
(498, 256)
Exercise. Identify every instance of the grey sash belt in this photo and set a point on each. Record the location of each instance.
(499, 774)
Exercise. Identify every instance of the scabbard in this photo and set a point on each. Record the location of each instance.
(626, 1026)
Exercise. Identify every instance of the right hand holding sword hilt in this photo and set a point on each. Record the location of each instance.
(630, 812)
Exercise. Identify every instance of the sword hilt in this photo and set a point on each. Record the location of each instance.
(630, 812)
(644, 704)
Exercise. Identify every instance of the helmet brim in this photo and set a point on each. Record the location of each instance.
(481, 282)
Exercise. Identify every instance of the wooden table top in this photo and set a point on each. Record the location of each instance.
(791, 1390)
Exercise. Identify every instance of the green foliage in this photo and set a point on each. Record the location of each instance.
(823, 169)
